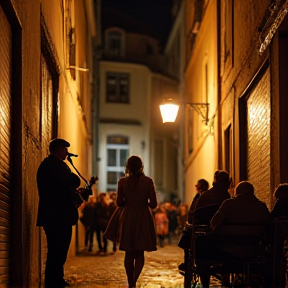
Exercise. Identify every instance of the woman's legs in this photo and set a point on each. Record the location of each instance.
(134, 263)
(129, 267)
(139, 264)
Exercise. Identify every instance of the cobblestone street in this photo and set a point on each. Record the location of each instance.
(90, 269)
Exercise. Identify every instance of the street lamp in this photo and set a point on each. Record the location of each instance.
(169, 110)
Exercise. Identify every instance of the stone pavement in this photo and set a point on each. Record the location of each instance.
(91, 270)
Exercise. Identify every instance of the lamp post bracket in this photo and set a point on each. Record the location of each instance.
(201, 108)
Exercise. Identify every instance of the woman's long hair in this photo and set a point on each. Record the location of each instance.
(134, 166)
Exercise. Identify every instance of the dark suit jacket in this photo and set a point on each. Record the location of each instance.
(244, 208)
(56, 184)
(280, 208)
(209, 202)
(245, 218)
(215, 195)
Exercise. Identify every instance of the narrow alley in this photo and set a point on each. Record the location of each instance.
(96, 76)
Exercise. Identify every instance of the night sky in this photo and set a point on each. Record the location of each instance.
(154, 13)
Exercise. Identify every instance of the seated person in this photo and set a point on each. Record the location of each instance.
(279, 233)
(209, 201)
(206, 203)
(201, 186)
(204, 206)
(244, 208)
(185, 241)
(280, 209)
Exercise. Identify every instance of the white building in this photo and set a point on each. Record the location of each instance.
(132, 85)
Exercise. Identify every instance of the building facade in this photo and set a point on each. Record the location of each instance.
(200, 94)
(236, 63)
(174, 65)
(132, 85)
(253, 83)
(46, 87)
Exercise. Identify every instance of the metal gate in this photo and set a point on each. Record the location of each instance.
(5, 143)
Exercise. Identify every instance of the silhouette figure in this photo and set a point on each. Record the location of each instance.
(57, 212)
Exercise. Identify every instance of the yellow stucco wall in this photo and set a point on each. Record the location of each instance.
(202, 162)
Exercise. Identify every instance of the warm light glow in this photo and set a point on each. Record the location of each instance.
(169, 112)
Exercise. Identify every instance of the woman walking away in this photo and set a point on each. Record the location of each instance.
(136, 193)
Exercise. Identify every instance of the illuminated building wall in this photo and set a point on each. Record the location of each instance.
(49, 100)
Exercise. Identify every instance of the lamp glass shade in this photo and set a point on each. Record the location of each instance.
(169, 112)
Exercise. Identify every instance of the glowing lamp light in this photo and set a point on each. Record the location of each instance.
(169, 112)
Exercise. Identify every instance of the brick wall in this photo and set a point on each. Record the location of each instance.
(258, 138)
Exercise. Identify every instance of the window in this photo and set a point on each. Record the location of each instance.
(71, 37)
(115, 44)
(228, 150)
(229, 33)
(72, 52)
(117, 155)
(117, 88)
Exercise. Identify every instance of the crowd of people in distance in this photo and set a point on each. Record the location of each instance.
(170, 220)
(95, 214)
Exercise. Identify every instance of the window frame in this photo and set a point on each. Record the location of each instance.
(112, 35)
(118, 96)
(118, 168)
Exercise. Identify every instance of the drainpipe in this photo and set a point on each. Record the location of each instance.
(95, 111)
(219, 87)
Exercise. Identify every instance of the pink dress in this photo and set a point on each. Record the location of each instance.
(162, 222)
